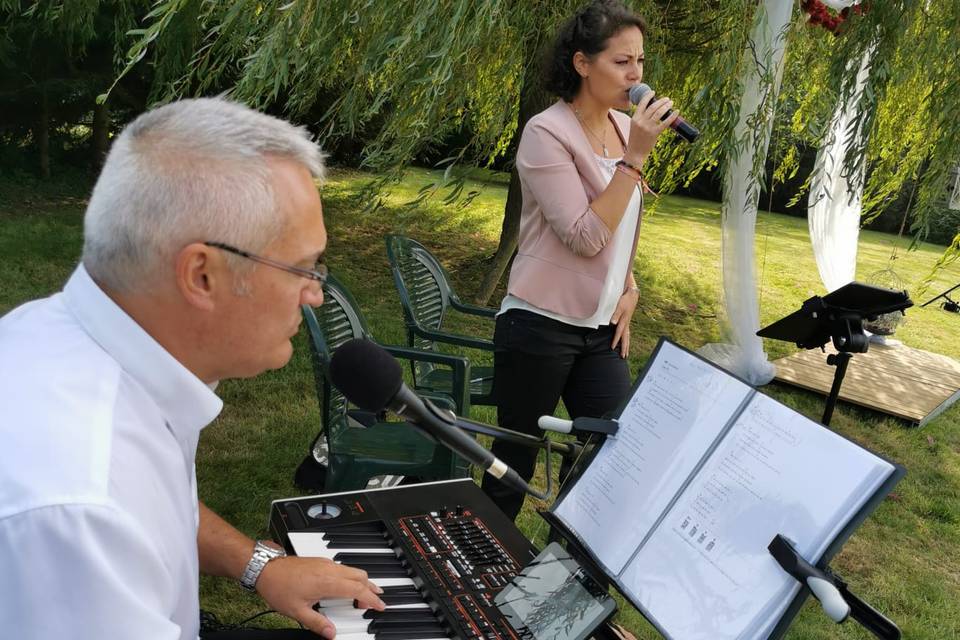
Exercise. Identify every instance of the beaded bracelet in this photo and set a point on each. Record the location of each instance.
(624, 163)
(634, 175)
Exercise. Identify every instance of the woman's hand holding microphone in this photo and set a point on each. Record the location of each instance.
(646, 125)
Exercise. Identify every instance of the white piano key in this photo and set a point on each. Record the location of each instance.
(311, 544)
(393, 582)
(347, 621)
(335, 602)
(332, 553)
(354, 636)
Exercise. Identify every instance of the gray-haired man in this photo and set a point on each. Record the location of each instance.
(201, 239)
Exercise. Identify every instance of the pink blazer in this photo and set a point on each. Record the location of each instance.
(562, 255)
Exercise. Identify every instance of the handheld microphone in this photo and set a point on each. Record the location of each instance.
(683, 128)
(371, 379)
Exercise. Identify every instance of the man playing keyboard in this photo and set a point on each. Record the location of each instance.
(202, 238)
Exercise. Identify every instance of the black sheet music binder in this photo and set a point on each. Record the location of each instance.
(687, 541)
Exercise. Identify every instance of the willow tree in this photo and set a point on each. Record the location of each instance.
(405, 74)
(56, 57)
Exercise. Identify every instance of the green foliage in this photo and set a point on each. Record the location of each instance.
(403, 75)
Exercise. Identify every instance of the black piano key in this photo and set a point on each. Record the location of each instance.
(357, 527)
(404, 626)
(402, 598)
(386, 571)
(400, 589)
(383, 619)
(358, 559)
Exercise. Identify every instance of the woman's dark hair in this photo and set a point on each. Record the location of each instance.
(587, 31)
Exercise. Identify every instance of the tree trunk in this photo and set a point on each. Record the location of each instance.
(532, 101)
(508, 240)
(100, 139)
(43, 133)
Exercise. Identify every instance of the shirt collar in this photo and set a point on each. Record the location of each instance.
(186, 402)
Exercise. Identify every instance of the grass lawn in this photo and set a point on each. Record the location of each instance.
(905, 560)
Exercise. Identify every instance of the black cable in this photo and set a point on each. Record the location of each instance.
(254, 617)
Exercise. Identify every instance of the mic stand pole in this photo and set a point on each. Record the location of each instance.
(945, 295)
(568, 450)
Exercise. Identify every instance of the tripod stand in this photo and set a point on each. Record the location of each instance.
(950, 304)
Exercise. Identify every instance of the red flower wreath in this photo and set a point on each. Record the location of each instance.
(821, 15)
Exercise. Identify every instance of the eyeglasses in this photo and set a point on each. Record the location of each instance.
(318, 274)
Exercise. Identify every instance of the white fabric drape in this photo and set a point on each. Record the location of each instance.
(837, 5)
(743, 354)
(834, 205)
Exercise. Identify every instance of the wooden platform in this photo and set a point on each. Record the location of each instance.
(898, 380)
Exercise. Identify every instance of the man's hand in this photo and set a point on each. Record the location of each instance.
(292, 585)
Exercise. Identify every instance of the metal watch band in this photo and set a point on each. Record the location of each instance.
(262, 554)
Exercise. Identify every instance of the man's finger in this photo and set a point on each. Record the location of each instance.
(349, 588)
(317, 623)
(367, 599)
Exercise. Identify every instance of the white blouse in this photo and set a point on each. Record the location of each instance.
(622, 244)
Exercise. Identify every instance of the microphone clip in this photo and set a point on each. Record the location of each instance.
(831, 591)
(599, 426)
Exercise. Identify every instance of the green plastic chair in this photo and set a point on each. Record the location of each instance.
(426, 296)
(358, 445)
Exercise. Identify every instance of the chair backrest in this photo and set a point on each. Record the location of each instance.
(337, 320)
(423, 285)
(358, 445)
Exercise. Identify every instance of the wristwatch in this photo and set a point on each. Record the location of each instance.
(262, 554)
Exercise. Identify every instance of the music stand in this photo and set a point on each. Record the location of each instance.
(837, 317)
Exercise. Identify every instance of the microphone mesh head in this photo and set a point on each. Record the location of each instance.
(365, 373)
(637, 92)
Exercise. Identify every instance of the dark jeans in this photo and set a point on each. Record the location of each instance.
(538, 361)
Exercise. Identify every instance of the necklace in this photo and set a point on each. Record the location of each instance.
(603, 144)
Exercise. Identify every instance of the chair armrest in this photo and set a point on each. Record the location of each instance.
(472, 309)
(460, 365)
(453, 338)
(420, 355)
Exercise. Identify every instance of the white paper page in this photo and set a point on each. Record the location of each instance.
(706, 572)
(679, 409)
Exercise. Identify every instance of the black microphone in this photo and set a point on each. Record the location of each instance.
(683, 128)
(371, 379)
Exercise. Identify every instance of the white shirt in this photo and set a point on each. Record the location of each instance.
(98, 503)
(622, 242)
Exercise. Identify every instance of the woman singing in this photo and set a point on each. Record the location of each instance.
(563, 330)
